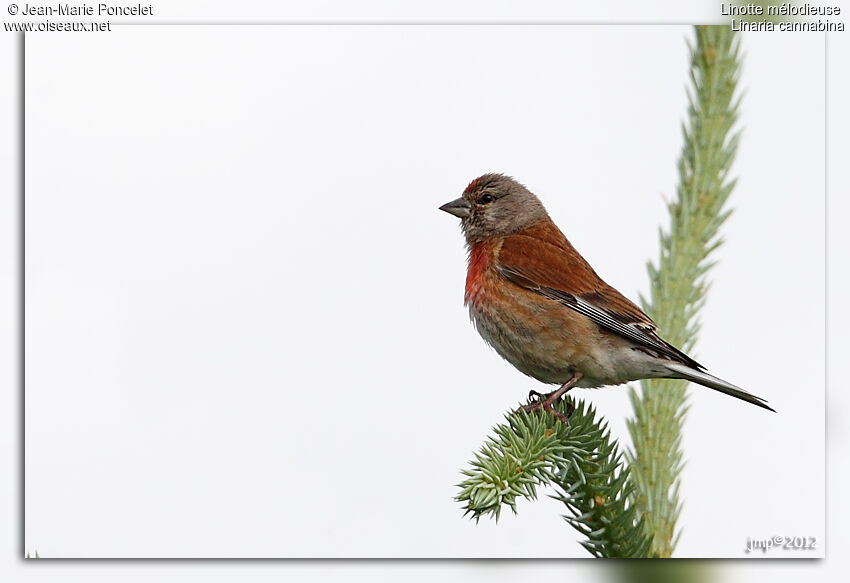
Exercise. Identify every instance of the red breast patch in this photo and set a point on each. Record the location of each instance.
(479, 261)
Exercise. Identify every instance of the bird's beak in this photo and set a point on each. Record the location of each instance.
(458, 208)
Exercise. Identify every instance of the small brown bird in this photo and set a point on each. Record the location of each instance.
(535, 300)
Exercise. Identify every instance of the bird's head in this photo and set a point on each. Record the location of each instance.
(495, 205)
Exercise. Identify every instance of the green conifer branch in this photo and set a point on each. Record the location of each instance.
(678, 283)
(579, 459)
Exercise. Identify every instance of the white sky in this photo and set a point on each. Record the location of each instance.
(244, 325)
(186, 189)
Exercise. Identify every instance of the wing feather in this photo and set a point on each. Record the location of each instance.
(542, 260)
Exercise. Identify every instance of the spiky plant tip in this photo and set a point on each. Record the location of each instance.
(577, 458)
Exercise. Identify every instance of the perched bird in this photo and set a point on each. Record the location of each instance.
(535, 300)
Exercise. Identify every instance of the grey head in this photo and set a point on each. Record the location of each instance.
(495, 205)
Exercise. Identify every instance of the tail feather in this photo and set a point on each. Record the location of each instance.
(682, 371)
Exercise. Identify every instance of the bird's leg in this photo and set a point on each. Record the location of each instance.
(546, 401)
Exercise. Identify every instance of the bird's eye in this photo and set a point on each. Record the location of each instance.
(486, 198)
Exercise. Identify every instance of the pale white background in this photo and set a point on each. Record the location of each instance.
(244, 325)
(628, 277)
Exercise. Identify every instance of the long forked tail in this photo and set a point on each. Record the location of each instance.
(682, 371)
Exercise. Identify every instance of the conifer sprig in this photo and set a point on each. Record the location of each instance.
(579, 459)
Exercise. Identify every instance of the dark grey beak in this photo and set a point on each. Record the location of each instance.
(458, 208)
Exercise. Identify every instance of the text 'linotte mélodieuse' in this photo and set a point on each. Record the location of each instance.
(776, 17)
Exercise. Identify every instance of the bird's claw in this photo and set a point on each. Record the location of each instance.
(544, 403)
(532, 406)
(532, 394)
